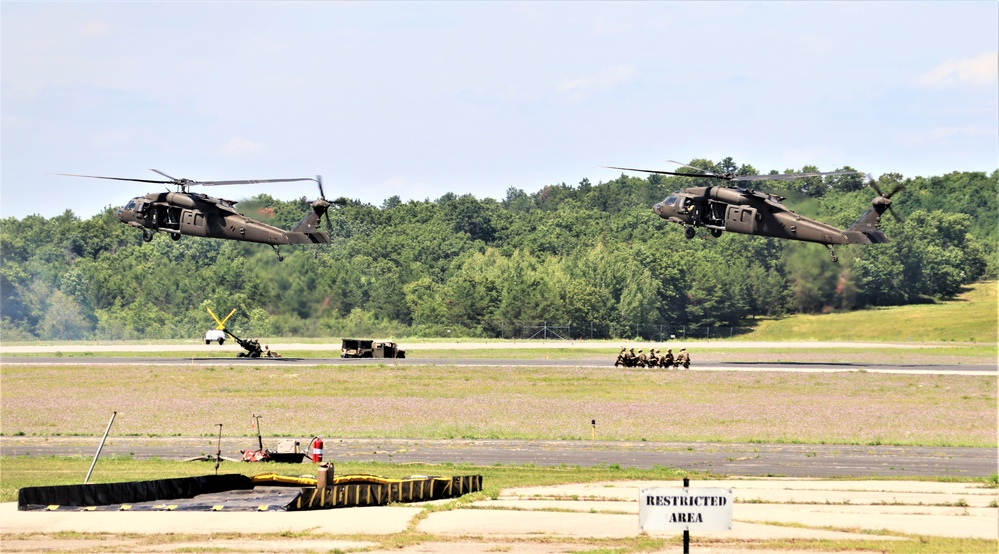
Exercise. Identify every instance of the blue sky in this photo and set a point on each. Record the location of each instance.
(420, 99)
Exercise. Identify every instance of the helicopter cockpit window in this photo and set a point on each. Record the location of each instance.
(671, 200)
(130, 205)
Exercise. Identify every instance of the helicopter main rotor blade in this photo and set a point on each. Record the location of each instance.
(172, 179)
(114, 178)
(656, 171)
(250, 181)
(789, 176)
(188, 182)
(704, 172)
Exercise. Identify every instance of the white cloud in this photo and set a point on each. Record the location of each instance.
(980, 70)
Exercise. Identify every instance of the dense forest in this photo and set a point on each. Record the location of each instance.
(589, 260)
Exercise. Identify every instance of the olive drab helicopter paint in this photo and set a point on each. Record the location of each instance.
(751, 212)
(182, 212)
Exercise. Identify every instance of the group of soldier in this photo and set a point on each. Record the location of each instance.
(655, 358)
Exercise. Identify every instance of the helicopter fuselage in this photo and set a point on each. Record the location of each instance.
(186, 213)
(752, 212)
(200, 215)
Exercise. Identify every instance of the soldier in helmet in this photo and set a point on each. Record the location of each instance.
(622, 358)
(683, 358)
(643, 360)
(653, 358)
(668, 360)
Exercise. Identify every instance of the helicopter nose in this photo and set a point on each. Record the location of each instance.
(658, 209)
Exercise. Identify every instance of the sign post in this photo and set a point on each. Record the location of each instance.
(100, 447)
(686, 509)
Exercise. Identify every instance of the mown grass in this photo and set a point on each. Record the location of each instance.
(524, 402)
(971, 317)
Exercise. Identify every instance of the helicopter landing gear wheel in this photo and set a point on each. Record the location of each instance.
(831, 253)
(278, 252)
(716, 233)
(689, 232)
(175, 236)
(147, 235)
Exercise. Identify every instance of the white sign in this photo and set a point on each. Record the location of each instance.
(685, 509)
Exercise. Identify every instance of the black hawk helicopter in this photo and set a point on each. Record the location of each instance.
(182, 212)
(751, 212)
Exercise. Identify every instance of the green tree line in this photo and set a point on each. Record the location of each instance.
(591, 259)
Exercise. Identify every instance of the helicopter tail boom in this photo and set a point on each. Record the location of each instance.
(866, 229)
(310, 223)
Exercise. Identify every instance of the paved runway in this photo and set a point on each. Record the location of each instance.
(760, 460)
(799, 367)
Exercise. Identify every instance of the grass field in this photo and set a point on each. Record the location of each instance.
(504, 402)
(971, 317)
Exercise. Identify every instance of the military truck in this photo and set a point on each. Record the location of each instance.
(366, 348)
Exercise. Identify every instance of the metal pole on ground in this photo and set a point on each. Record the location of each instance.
(260, 440)
(218, 454)
(99, 448)
(686, 532)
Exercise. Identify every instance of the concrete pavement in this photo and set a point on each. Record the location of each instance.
(541, 519)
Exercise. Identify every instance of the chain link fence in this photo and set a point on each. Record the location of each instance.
(544, 330)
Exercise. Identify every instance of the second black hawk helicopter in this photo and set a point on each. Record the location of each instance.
(182, 212)
(747, 211)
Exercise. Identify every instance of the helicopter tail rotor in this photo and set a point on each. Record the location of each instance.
(319, 181)
(321, 206)
(885, 199)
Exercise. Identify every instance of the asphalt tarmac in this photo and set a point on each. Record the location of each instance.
(799, 367)
(758, 460)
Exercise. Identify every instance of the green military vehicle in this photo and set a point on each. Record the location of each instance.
(365, 348)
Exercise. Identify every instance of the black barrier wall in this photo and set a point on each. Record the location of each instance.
(34, 498)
